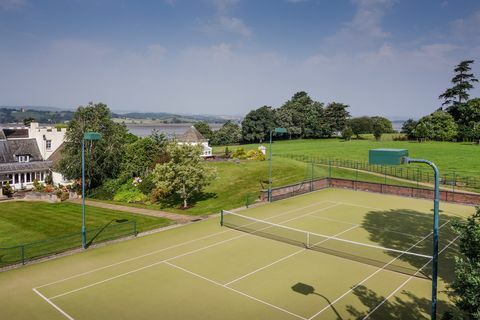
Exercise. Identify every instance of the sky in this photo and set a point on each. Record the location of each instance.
(381, 57)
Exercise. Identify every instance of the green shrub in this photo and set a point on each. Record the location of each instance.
(38, 186)
(106, 191)
(239, 154)
(147, 185)
(129, 193)
(255, 155)
(347, 133)
(7, 190)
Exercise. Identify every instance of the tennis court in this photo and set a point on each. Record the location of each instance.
(331, 254)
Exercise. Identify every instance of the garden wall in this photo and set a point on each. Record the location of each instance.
(412, 192)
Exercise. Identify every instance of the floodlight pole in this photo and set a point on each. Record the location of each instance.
(270, 169)
(435, 231)
(84, 231)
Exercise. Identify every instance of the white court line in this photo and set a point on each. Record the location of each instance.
(235, 290)
(284, 258)
(407, 281)
(53, 305)
(172, 258)
(171, 247)
(350, 223)
(370, 276)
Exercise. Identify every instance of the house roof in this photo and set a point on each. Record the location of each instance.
(192, 135)
(56, 155)
(11, 148)
(15, 167)
(15, 133)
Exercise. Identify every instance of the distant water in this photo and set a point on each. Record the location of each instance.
(171, 130)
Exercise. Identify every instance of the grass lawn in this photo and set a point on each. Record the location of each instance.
(236, 181)
(448, 156)
(26, 222)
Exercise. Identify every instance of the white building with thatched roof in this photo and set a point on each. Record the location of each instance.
(193, 137)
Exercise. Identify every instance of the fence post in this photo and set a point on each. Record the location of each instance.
(454, 181)
(312, 177)
(135, 227)
(221, 218)
(246, 201)
(23, 254)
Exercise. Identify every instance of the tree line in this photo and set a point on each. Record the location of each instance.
(457, 119)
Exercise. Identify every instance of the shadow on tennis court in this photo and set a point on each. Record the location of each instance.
(404, 305)
(307, 289)
(403, 228)
(102, 229)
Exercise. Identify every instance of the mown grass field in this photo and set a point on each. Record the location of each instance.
(26, 222)
(448, 156)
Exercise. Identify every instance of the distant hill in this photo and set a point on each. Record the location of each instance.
(53, 115)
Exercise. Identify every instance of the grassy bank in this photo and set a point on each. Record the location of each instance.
(26, 222)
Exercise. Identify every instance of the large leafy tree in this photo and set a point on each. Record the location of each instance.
(336, 116)
(104, 157)
(465, 289)
(437, 126)
(184, 175)
(257, 124)
(229, 133)
(468, 119)
(141, 155)
(408, 128)
(361, 125)
(462, 83)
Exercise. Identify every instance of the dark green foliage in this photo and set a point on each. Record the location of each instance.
(257, 124)
(408, 128)
(229, 133)
(462, 83)
(204, 128)
(361, 125)
(438, 126)
(465, 288)
(103, 158)
(49, 178)
(141, 156)
(27, 121)
(147, 185)
(7, 190)
(227, 153)
(347, 133)
(335, 117)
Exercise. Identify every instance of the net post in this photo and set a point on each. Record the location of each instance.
(221, 218)
(135, 228)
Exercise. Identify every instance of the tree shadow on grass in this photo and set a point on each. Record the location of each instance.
(404, 306)
(174, 201)
(405, 229)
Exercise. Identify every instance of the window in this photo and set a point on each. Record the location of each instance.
(24, 158)
(48, 144)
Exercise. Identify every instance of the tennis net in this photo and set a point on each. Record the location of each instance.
(402, 261)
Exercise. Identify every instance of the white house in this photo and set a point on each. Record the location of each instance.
(193, 137)
(25, 155)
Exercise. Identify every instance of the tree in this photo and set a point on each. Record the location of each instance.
(462, 82)
(465, 287)
(467, 118)
(184, 175)
(28, 120)
(408, 128)
(229, 133)
(141, 155)
(204, 128)
(104, 157)
(437, 126)
(361, 125)
(336, 116)
(257, 124)
(347, 133)
(385, 124)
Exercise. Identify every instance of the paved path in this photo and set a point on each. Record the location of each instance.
(179, 218)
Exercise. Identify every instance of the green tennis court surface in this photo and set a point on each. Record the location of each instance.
(332, 254)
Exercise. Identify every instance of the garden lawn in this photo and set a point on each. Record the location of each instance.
(448, 156)
(26, 222)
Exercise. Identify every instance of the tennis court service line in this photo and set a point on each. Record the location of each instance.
(289, 256)
(235, 290)
(373, 274)
(171, 247)
(407, 281)
(53, 305)
(172, 258)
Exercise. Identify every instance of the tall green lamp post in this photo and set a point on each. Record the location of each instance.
(400, 156)
(276, 130)
(87, 136)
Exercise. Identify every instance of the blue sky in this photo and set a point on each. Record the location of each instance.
(387, 57)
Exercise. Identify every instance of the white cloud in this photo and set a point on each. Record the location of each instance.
(467, 29)
(12, 4)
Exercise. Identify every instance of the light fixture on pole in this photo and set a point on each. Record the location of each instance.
(276, 130)
(87, 136)
(400, 156)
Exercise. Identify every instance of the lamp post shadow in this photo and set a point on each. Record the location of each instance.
(306, 289)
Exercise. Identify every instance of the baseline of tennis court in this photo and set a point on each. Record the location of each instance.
(332, 254)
